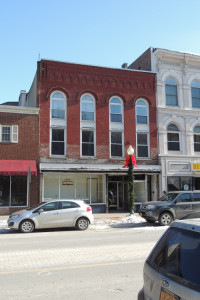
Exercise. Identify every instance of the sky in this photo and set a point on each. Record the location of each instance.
(93, 32)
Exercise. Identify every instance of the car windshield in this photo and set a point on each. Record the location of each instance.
(36, 206)
(168, 197)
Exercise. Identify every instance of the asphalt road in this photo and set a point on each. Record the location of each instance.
(69, 264)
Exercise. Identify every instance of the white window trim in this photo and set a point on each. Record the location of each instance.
(148, 144)
(65, 106)
(179, 135)
(50, 134)
(122, 107)
(94, 132)
(13, 133)
(147, 107)
(122, 132)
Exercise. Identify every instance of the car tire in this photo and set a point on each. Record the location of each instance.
(26, 226)
(82, 224)
(165, 218)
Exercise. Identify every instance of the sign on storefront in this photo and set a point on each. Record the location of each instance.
(196, 167)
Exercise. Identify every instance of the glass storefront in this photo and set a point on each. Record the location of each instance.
(88, 187)
(183, 183)
(13, 191)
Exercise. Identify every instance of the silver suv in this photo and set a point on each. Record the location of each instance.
(171, 206)
(172, 270)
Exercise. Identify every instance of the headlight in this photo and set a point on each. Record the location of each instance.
(15, 216)
(151, 207)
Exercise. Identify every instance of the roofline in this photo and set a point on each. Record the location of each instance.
(19, 109)
(174, 51)
(86, 65)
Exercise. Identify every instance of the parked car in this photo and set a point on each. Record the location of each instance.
(53, 214)
(171, 206)
(172, 270)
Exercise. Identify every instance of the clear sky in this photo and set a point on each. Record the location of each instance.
(97, 32)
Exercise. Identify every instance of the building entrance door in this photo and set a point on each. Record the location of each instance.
(117, 195)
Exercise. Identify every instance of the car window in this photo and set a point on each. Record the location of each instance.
(168, 197)
(69, 204)
(51, 206)
(177, 257)
(186, 197)
(196, 197)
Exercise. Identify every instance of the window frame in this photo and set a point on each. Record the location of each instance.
(116, 114)
(173, 142)
(52, 99)
(145, 105)
(112, 144)
(198, 135)
(195, 84)
(94, 142)
(88, 101)
(143, 145)
(64, 141)
(173, 83)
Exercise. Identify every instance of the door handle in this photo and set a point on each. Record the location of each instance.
(165, 283)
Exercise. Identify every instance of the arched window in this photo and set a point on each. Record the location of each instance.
(116, 127)
(87, 108)
(58, 123)
(88, 126)
(197, 139)
(171, 92)
(141, 112)
(58, 105)
(195, 89)
(173, 138)
(116, 110)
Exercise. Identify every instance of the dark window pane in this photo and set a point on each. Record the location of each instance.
(57, 148)
(197, 147)
(197, 138)
(172, 127)
(116, 118)
(6, 134)
(142, 151)
(196, 197)
(142, 139)
(57, 134)
(4, 190)
(197, 183)
(87, 116)
(116, 150)
(172, 137)
(173, 146)
(87, 136)
(88, 149)
(141, 120)
(19, 191)
(116, 137)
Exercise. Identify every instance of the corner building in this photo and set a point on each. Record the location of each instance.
(89, 116)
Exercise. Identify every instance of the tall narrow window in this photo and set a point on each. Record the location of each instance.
(6, 133)
(88, 125)
(171, 92)
(58, 141)
(87, 108)
(173, 138)
(87, 143)
(141, 112)
(116, 110)
(116, 144)
(57, 105)
(142, 145)
(197, 139)
(195, 89)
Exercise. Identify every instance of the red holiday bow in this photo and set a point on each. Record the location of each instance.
(133, 160)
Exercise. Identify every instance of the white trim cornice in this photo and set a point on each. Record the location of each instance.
(19, 110)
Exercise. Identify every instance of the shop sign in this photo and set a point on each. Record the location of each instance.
(67, 181)
(196, 167)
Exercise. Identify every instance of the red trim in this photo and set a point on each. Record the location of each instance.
(17, 167)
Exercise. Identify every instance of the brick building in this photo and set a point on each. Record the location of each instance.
(19, 144)
(88, 117)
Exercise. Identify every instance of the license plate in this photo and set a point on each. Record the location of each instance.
(166, 295)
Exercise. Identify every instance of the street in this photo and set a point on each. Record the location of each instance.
(69, 264)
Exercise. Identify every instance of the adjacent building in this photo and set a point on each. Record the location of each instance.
(89, 116)
(19, 153)
(178, 107)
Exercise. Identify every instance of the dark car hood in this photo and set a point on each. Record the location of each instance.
(156, 202)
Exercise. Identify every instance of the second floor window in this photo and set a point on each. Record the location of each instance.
(141, 112)
(87, 108)
(195, 89)
(173, 138)
(197, 139)
(116, 110)
(87, 143)
(9, 134)
(142, 145)
(58, 104)
(171, 92)
(116, 144)
(57, 141)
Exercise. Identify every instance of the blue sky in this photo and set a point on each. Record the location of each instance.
(97, 32)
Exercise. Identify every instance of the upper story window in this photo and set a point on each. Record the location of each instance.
(173, 138)
(87, 108)
(195, 88)
(58, 105)
(171, 92)
(9, 134)
(57, 141)
(197, 139)
(116, 110)
(141, 112)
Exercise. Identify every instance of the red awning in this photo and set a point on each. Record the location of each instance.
(17, 167)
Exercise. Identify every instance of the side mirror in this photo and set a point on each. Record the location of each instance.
(40, 210)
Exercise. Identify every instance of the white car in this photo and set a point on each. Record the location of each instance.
(52, 214)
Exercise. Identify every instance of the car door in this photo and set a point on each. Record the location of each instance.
(49, 217)
(196, 204)
(69, 213)
(183, 205)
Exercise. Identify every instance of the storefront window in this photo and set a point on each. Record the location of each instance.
(4, 190)
(179, 183)
(19, 191)
(51, 186)
(67, 186)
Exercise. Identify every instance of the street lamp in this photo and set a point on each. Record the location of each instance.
(131, 192)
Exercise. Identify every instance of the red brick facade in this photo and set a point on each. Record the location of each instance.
(102, 83)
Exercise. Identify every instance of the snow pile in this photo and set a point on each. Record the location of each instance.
(3, 224)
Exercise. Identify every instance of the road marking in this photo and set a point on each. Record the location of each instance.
(71, 267)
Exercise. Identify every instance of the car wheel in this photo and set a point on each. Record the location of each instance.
(82, 224)
(26, 226)
(165, 219)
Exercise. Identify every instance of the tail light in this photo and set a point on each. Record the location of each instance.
(89, 208)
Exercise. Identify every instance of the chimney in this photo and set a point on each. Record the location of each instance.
(124, 66)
